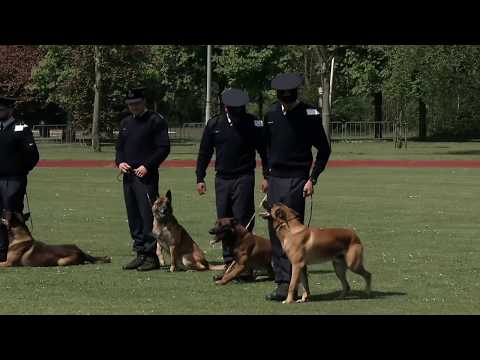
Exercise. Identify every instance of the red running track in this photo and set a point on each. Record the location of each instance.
(470, 164)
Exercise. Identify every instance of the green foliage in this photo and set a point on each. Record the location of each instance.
(445, 77)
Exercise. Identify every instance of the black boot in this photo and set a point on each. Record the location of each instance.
(150, 263)
(280, 293)
(246, 276)
(135, 263)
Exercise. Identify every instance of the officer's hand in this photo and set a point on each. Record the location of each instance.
(124, 168)
(202, 188)
(265, 186)
(308, 189)
(141, 171)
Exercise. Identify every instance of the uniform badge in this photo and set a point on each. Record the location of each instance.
(19, 128)
(258, 123)
(312, 112)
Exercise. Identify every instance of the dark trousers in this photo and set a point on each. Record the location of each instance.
(12, 192)
(139, 210)
(288, 191)
(235, 198)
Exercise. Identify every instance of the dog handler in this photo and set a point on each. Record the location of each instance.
(142, 146)
(18, 156)
(235, 136)
(292, 128)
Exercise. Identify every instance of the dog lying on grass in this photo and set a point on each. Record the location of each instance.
(250, 251)
(23, 250)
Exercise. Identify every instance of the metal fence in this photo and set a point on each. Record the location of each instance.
(363, 130)
(191, 133)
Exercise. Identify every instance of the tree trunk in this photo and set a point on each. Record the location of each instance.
(326, 104)
(378, 104)
(422, 119)
(96, 104)
(70, 129)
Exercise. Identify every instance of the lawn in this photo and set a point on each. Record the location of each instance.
(419, 227)
(365, 150)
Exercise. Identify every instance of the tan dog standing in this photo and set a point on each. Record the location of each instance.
(23, 250)
(171, 236)
(305, 246)
(249, 250)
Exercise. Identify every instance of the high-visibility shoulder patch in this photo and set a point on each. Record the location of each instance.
(258, 123)
(19, 128)
(312, 112)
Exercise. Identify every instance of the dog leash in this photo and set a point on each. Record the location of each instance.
(255, 213)
(29, 211)
(311, 210)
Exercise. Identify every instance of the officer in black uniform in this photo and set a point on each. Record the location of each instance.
(235, 136)
(142, 146)
(292, 128)
(18, 156)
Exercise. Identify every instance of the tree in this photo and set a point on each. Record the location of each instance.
(249, 67)
(66, 75)
(363, 66)
(96, 103)
(16, 64)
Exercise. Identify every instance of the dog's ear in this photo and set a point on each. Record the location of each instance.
(169, 196)
(281, 214)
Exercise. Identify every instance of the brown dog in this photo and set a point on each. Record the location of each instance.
(249, 250)
(23, 250)
(305, 246)
(171, 236)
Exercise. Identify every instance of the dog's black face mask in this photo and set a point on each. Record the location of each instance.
(162, 209)
(223, 230)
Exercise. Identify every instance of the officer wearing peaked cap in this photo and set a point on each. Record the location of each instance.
(292, 128)
(18, 156)
(142, 146)
(235, 136)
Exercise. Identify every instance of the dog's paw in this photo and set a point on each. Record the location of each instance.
(303, 300)
(173, 269)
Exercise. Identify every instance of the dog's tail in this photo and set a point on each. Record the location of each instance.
(96, 260)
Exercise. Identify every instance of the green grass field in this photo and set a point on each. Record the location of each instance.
(340, 151)
(420, 229)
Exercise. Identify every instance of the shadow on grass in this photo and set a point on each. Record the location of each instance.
(321, 271)
(354, 295)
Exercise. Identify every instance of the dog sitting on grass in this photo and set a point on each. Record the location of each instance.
(23, 250)
(172, 237)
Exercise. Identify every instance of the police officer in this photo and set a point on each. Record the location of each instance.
(292, 128)
(18, 156)
(235, 136)
(142, 146)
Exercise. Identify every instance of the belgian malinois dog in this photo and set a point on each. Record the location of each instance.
(304, 246)
(250, 251)
(23, 250)
(172, 237)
